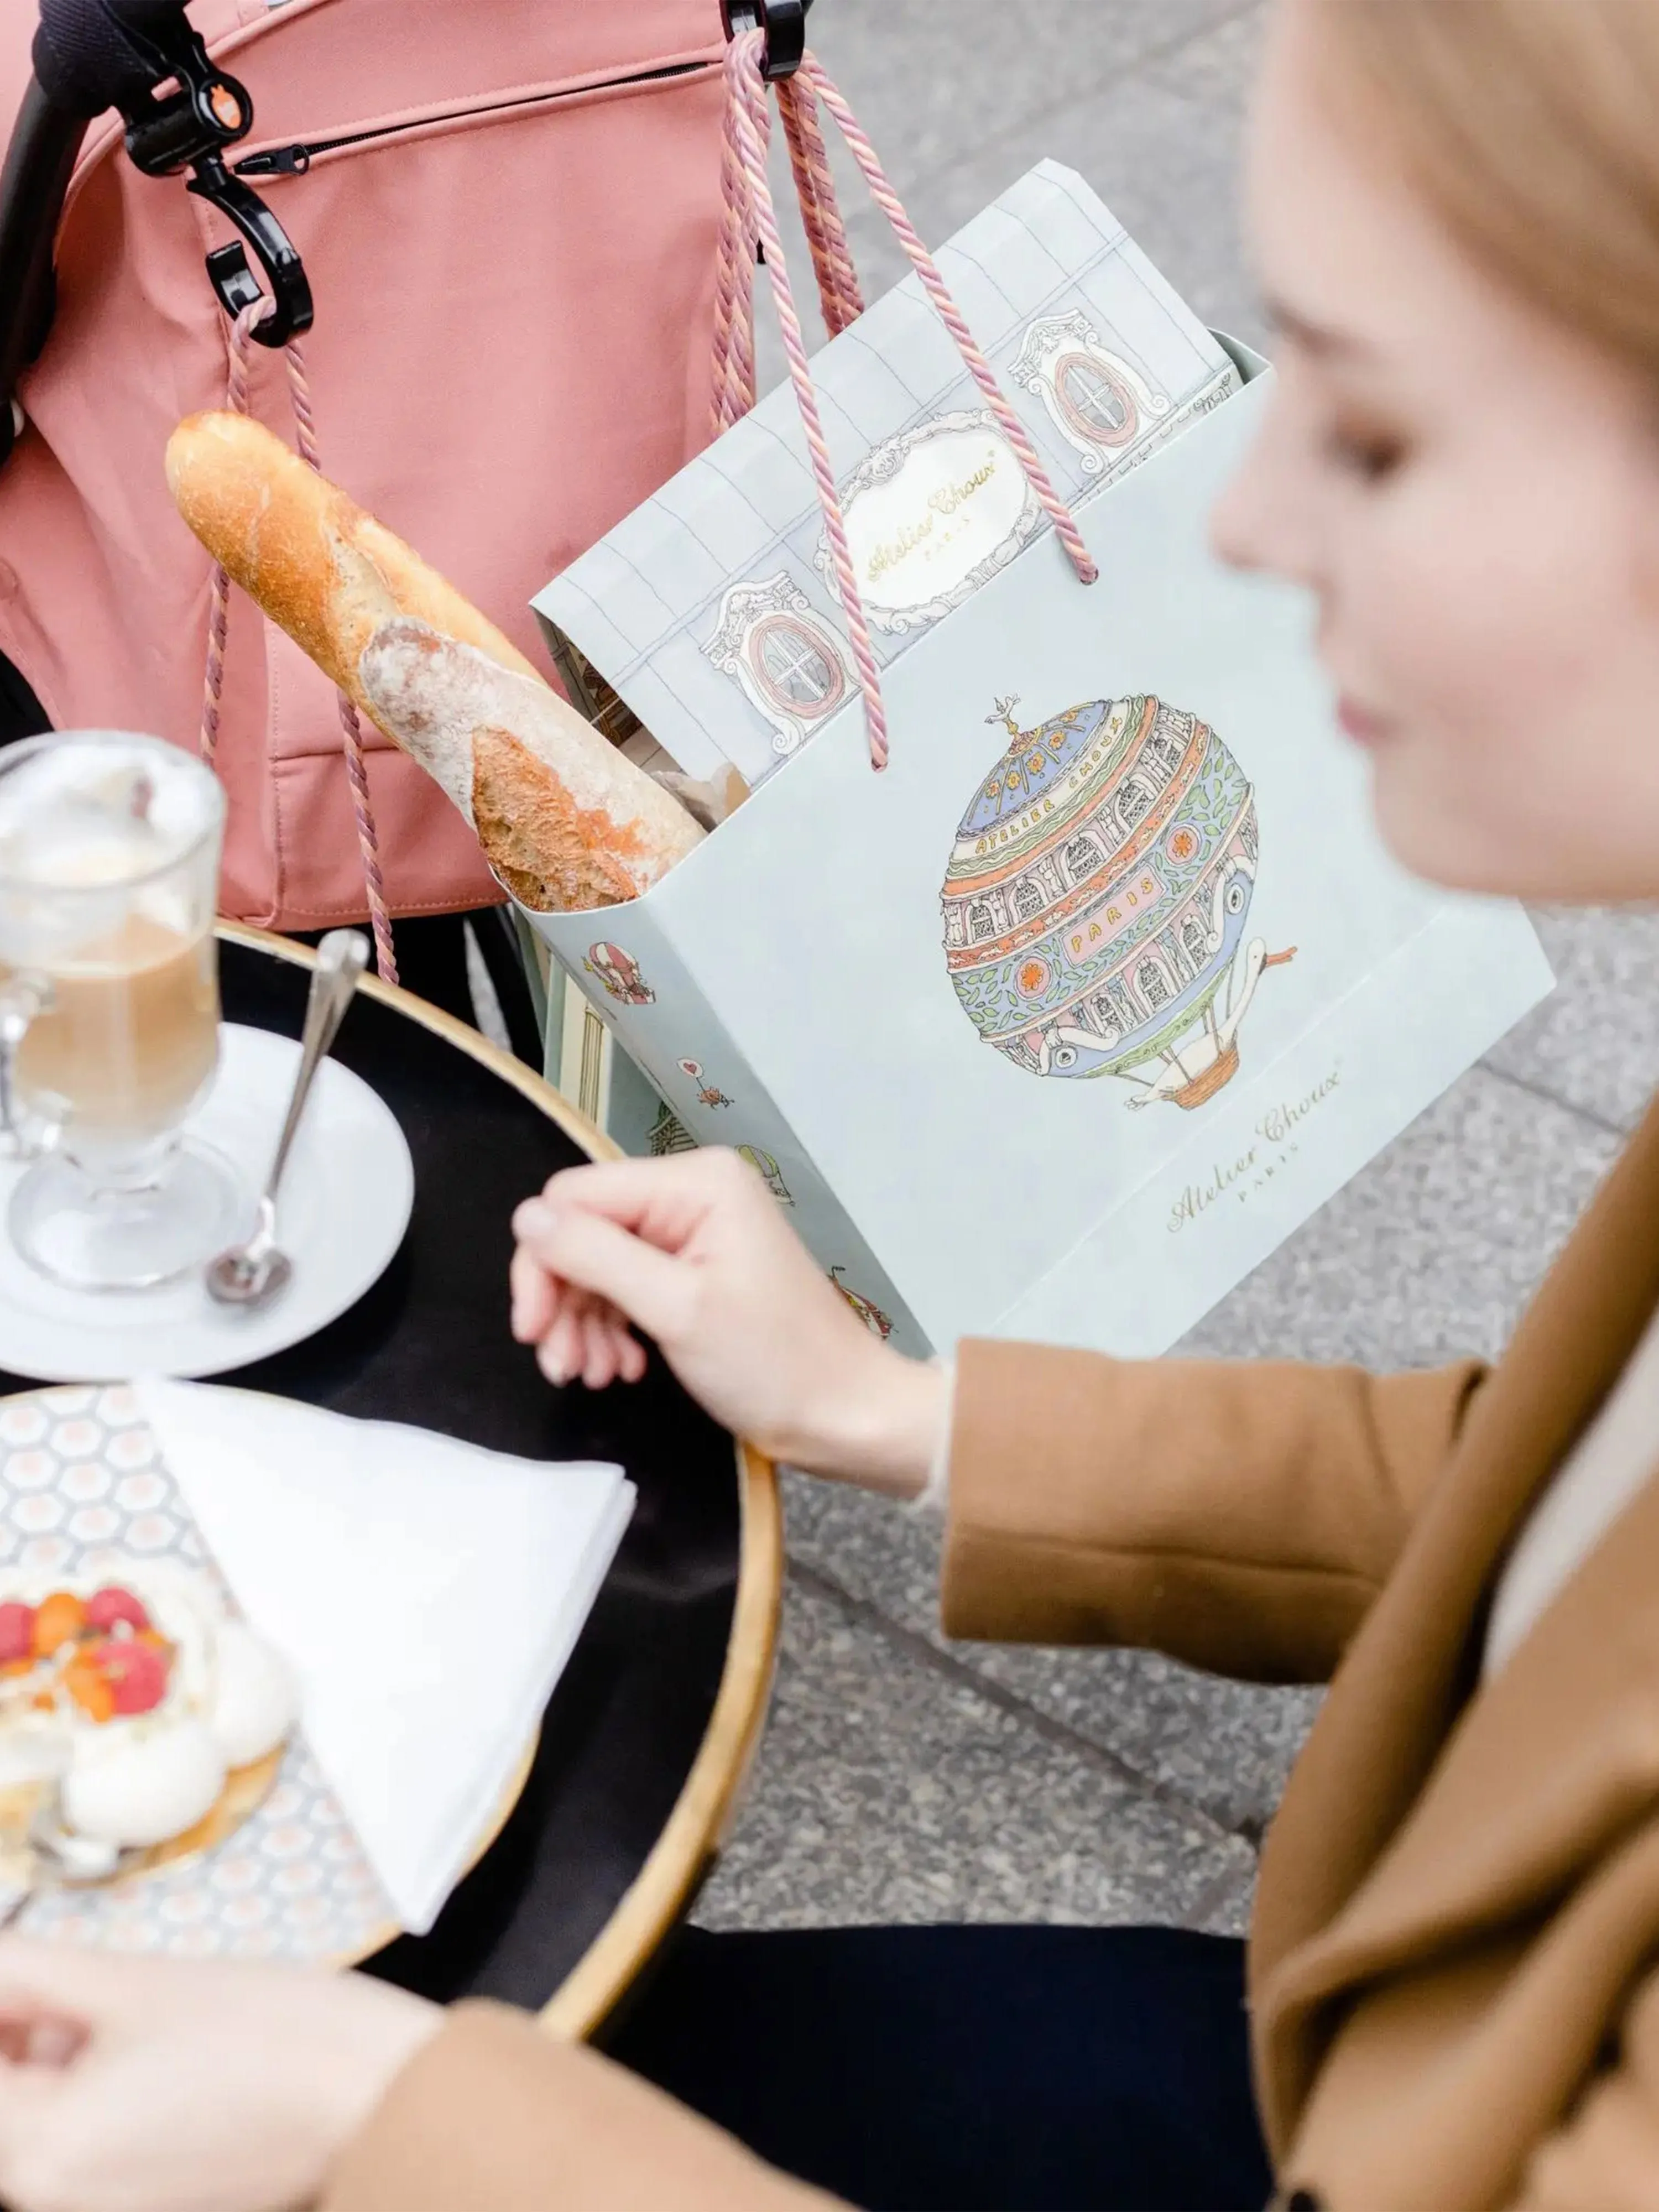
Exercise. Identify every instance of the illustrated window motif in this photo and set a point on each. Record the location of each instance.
(1191, 935)
(1098, 405)
(1102, 403)
(787, 661)
(980, 921)
(1134, 801)
(795, 671)
(1028, 900)
(1082, 858)
(1153, 985)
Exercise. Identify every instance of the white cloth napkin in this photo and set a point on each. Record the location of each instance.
(427, 1595)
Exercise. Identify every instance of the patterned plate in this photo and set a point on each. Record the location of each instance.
(83, 1488)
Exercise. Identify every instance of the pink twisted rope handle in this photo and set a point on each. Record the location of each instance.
(219, 604)
(734, 318)
(733, 393)
(744, 68)
(933, 284)
(363, 805)
(753, 213)
(368, 842)
(820, 210)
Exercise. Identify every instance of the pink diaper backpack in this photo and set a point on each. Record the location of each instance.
(508, 213)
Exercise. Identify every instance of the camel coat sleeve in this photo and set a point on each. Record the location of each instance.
(1240, 1517)
(1606, 2156)
(494, 2115)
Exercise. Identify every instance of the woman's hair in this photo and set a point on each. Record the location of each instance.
(1533, 126)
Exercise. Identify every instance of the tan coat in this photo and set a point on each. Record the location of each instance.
(1454, 1966)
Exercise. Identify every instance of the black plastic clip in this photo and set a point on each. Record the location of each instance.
(190, 130)
(784, 22)
(228, 265)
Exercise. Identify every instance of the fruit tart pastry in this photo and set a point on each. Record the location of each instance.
(133, 1698)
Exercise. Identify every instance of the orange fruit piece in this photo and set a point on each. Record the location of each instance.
(91, 1689)
(59, 1619)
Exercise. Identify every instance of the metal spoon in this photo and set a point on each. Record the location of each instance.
(251, 1273)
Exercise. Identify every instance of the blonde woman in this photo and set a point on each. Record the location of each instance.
(1453, 1996)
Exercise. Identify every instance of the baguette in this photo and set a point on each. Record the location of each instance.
(564, 827)
(565, 819)
(323, 570)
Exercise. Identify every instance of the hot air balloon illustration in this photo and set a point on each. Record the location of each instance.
(765, 1165)
(879, 1323)
(619, 972)
(1097, 898)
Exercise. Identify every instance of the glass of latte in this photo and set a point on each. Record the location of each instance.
(109, 1008)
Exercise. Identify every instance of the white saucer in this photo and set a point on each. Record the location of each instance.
(345, 1203)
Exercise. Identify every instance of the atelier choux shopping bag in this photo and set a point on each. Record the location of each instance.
(1064, 1021)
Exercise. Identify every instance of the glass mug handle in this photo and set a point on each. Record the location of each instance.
(22, 999)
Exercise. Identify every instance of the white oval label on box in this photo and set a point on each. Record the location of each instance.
(933, 513)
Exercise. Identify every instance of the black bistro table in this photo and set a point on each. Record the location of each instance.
(645, 1742)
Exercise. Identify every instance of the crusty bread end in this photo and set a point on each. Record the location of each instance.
(566, 820)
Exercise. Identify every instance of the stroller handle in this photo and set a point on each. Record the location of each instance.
(91, 55)
(38, 164)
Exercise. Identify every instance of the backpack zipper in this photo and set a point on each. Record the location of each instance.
(294, 160)
(283, 160)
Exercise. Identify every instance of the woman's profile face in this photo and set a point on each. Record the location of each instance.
(1470, 492)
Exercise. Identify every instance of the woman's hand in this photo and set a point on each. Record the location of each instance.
(694, 1250)
(155, 2085)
